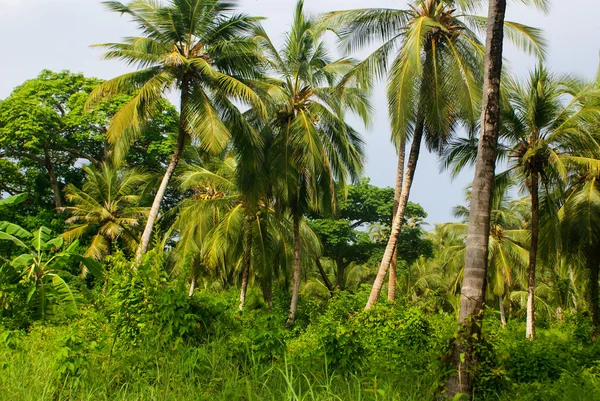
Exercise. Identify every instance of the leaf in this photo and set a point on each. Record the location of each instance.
(21, 261)
(91, 266)
(14, 229)
(15, 240)
(13, 200)
(64, 293)
(31, 293)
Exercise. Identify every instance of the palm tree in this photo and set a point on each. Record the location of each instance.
(540, 132)
(580, 222)
(106, 207)
(311, 148)
(472, 298)
(434, 81)
(200, 48)
(218, 227)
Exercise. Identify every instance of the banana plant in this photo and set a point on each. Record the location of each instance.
(40, 266)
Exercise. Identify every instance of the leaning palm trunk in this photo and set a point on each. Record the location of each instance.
(535, 221)
(297, 271)
(397, 194)
(472, 299)
(323, 274)
(246, 273)
(160, 194)
(399, 217)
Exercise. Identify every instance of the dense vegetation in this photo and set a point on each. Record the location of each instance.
(231, 248)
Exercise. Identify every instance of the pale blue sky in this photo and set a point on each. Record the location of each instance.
(56, 34)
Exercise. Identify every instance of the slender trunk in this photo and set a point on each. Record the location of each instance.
(476, 256)
(502, 314)
(397, 194)
(341, 269)
(399, 217)
(246, 273)
(53, 179)
(160, 194)
(535, 221)
(326, 280)
(192, 285)
(297, 271)
(594, 265)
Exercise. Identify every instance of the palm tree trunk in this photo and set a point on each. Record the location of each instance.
(192, 286)
(472, 299)
(53, 179)
(397, 194)
(323, 274)
(594, 265)
(341, 269)
(399, 217)
(160, 194)
(246, 273)
(535, 221)
(502, 314)
(297, 271)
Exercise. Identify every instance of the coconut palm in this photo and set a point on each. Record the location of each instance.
(435, 59)
(107, 208)
(580, 222)
(200, 48)
(226, 233)
(544, 123)
(472, 298)
(311, 147)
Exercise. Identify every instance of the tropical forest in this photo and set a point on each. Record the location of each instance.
(207, 224)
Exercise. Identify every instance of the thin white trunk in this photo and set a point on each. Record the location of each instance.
(397, 195)
(399, 217)
(297, 272)
(502, 314)
(160, 194)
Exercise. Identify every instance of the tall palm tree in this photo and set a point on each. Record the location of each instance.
(106, 207)
(472, 298)
(200, 48)
(544, 121)
(311, 147)
(434, 58)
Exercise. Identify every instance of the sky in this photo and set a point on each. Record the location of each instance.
(57, 34)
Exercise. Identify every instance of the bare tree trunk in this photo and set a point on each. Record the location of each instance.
(160, 194)
(246, 273)
(397, 194)
(323, 274)
(297, 271)
(535, 221)
(472, 299)
(502, 314)
(399, 217)
(53, 179)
